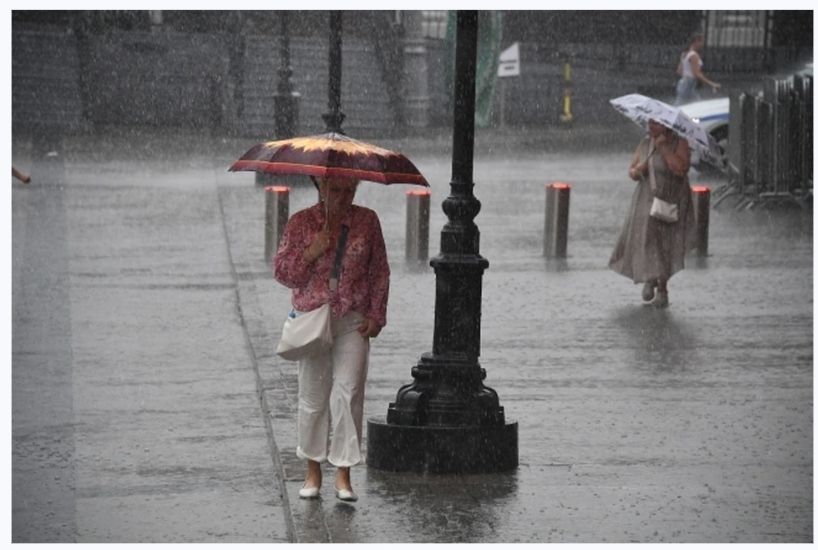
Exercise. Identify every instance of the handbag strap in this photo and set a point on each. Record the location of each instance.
(651, 173)
(339, 255)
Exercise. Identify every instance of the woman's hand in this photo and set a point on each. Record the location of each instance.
(638, 170)
(369, 328)
(321, 241)
(660, 140)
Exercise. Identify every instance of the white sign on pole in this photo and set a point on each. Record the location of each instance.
(509, 61)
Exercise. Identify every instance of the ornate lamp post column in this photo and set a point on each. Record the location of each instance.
(334, 117)
(286, 99)
(447, 420)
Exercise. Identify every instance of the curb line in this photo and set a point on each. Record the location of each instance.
(274, 452)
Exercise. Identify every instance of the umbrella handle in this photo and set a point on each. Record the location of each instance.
(326, 209)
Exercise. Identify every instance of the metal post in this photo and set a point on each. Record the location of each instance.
(784, 147)
(701, 215)
(765, 142)
(417, 227)
(747, 126)
(334, 117)
(276, 214)
(285, 100)
(502, 102)
(734, 151)
(557, 198)
(446, 420)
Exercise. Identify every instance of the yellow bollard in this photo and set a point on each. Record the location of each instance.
(566, 115)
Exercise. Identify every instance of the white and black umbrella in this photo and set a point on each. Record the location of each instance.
(641, 109)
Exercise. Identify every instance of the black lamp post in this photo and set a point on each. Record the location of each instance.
(447, 421)
(334, 117)
(286, 99)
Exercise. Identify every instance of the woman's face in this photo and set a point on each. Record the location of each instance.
(655, 129)
(337, 194)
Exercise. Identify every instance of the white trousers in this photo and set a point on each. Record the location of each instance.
(331, 391)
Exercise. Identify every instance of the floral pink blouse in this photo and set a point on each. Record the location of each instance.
(363, 284)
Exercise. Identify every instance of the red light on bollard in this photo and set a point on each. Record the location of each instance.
(277, 189)
(418, 192)
(700, 189)
(559, 185)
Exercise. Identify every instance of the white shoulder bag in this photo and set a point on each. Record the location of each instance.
(308, 333)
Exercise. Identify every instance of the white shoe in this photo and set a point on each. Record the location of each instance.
(308, 492)
(346, 495)
(648, 291)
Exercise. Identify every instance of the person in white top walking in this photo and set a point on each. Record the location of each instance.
(690, 72)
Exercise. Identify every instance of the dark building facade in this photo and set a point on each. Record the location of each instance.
(218, 70)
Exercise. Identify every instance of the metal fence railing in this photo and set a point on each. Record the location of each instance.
(741, 29)
(770, 143)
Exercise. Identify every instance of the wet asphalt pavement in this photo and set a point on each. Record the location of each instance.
(149, 406)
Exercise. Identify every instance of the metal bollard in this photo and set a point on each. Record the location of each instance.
(557, 197)
(701, 214)
(417, 226)
(277, 212)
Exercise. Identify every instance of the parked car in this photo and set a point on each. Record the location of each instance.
(714, 116)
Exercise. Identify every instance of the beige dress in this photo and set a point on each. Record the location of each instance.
(649, 249)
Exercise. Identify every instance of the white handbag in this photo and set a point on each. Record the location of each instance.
(659, 209)
(664, 211)
(308, 333)
(305, 334)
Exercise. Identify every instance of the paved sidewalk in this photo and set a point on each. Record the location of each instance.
(135, 405)
(687, 425)
(149, 405)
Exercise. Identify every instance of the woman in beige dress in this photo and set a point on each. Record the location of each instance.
(650, 251)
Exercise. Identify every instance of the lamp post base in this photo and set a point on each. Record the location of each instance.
(441, 449)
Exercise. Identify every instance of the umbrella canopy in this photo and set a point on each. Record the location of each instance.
(641, 109)
(330, 155)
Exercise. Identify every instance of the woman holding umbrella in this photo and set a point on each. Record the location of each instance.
(331, 383)
(650, 250)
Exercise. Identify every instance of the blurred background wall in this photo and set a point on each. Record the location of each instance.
(218, 71)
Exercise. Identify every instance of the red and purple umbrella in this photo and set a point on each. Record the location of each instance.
(330, 155)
